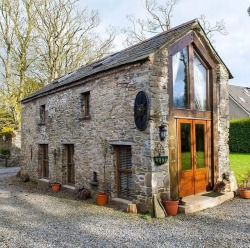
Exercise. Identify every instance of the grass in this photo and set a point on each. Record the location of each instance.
(240, 164)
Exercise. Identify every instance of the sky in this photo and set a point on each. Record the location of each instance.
(234, 48)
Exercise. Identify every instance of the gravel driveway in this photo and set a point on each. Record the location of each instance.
(32, 218)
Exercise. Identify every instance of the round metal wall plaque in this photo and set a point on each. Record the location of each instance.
(141, 110)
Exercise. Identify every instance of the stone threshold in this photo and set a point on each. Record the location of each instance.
(121, 203)
(68, 188)
(195, 203)
(45, 182)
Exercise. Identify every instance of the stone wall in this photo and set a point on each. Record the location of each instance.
(160, 115)
(111, 120)
(223, 121)
(14, 146)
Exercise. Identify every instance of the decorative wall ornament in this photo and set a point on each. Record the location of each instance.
(159, 155)
(141, 110)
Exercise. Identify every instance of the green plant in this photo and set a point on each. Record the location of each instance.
(245, 181)
(240, 164)
(146, 216)
(4, 151)
(8, 132)
(175, 197)
(239, 135)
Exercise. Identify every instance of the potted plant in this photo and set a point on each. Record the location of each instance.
(244, 187)
(55, 187)
(171, 205)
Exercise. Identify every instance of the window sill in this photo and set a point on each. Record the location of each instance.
(41, 123)
(87, 117)
(44, 180)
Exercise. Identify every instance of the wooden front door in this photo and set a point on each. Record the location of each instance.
(193, 136)
(43, 161)
(70, 164)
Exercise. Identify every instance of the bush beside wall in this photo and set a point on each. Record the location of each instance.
(239, 135)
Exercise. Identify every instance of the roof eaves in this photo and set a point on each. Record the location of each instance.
(43, 91)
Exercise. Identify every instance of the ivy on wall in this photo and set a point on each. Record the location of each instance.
(239, 135)
(7, 132)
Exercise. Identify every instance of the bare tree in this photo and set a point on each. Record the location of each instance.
(219, 27)
(67, 37)
(7, 40)
(158, 19)
(41, 40)
(16, 37)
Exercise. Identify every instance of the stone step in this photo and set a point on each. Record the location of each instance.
(195, 203)
(121, 203)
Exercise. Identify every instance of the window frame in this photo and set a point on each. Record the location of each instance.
(127, 171)
(192, 42)
(85, 105)
(42, 113)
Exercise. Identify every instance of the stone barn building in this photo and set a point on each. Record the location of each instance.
(150, 119)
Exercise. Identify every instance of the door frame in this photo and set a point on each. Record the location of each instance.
(192, 114)
(194, 172)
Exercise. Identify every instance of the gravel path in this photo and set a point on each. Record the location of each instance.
(32, 218)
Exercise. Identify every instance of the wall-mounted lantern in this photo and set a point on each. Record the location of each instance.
(159, 157)
(162, 132)
(94, 177)
(248, 10)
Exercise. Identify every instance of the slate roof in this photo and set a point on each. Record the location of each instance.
(138, 52)
(241, 95)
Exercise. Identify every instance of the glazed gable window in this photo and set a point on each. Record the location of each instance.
(84, 102)
(190, 80)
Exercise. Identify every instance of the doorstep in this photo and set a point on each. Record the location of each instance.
(195, 203)
(121, 203)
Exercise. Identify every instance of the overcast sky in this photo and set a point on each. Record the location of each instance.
(234, 48)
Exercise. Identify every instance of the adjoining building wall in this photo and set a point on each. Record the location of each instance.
(236, 112)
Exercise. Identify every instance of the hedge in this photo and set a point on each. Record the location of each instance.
(239, 135)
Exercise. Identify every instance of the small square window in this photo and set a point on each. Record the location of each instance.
(42, 114)
(85, 98)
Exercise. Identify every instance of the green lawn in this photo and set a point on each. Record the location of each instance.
(240, 163)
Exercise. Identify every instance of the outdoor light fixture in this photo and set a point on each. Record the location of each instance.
(95, 177)
(248, 10)
(163, 132)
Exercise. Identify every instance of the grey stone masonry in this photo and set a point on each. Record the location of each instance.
(95, 115)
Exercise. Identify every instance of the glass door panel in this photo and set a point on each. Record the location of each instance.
(186, 159)
(200, 146)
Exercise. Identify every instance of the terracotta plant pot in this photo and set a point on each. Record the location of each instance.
(171, 207)
(101, 199)
(55, 187)
(244, 193)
